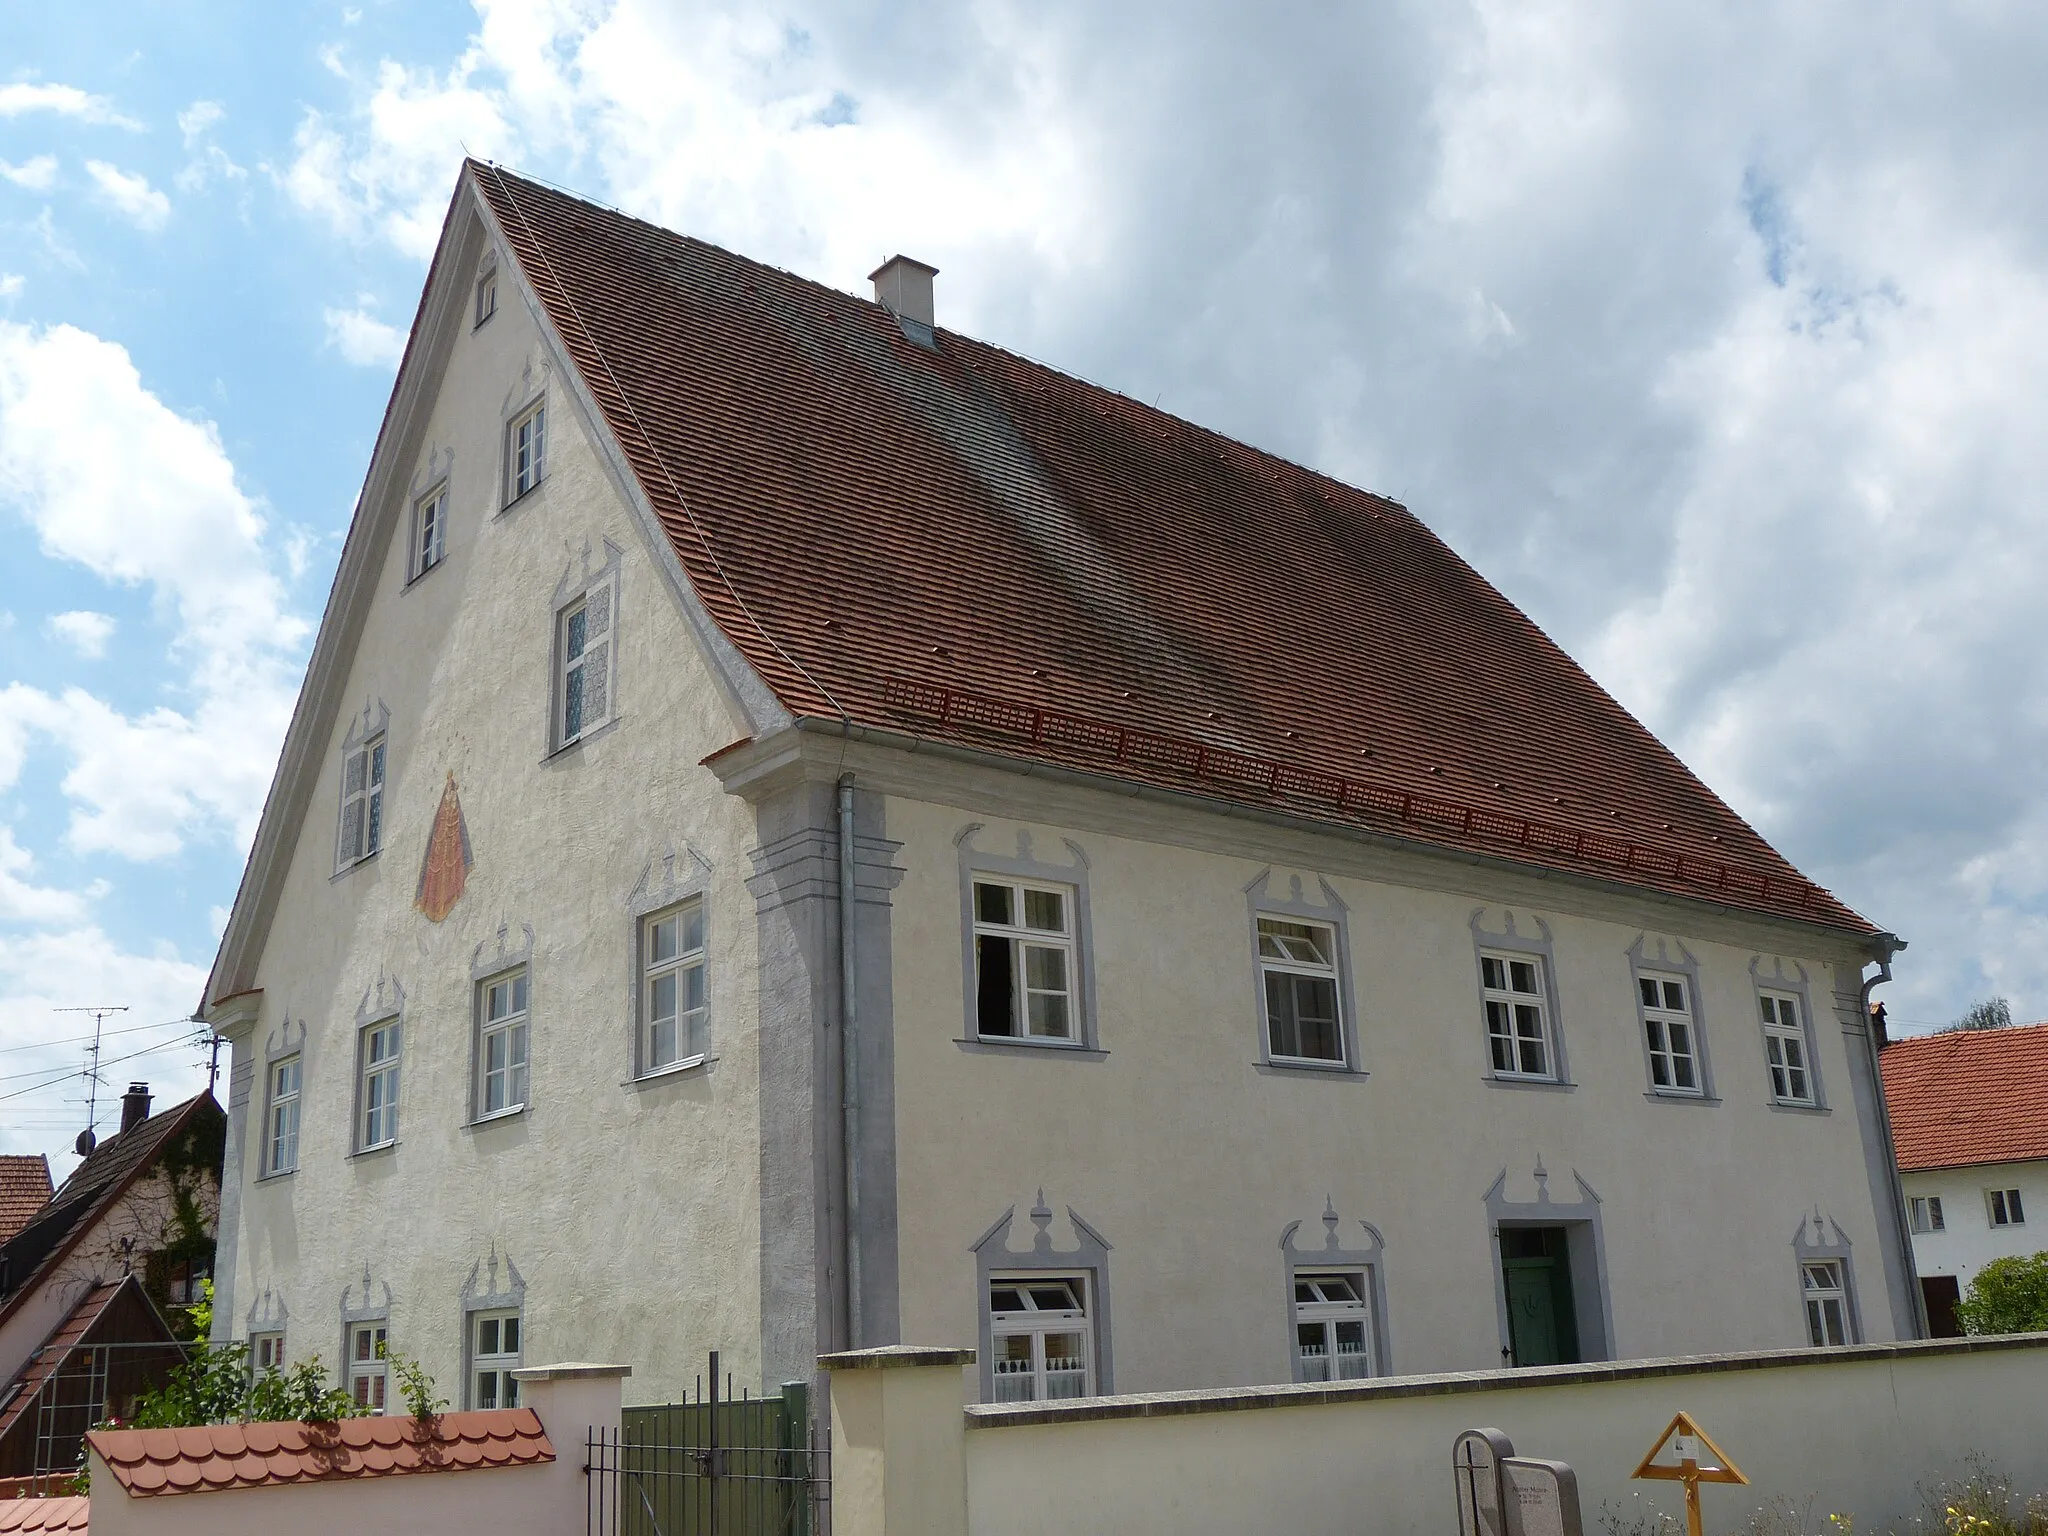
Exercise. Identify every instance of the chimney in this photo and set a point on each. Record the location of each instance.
(134, 1106)
(903, 286)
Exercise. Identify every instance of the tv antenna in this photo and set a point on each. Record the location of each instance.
(99, 1011)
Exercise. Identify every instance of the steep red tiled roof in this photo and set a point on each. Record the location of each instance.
(1968, 1096)
(959, 543)
(24, 1188)
(150, 1461)
(32, 1515)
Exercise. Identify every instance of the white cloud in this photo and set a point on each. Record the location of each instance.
(113, 480)
(11, 285)
(198, 119)
(64, 100)
(23, 902)
(363, 339)
(129, 194)
(37, 174)
(84, 631)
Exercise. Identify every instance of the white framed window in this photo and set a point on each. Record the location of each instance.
(368, 1344)
(583, 663)
(1827, 1303)
(2004, 1206)
(1785, 1048)
(486, 295)
(501, 1044)
(377, 1086)
(429, 530)
(1670, 1034)
(1039, 1326)
(1023, 960)
(1332, 1326)
(281, 1133)
(494, 1354)
(1517, 1016)
(1926, 1213)
(672, 995)
(1298, 978)
(266, 1352)
(526, 447)
(362, 802)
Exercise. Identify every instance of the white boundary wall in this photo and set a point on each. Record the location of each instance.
(1853, 1429)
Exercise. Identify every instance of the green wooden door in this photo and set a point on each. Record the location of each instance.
(1532, 1311)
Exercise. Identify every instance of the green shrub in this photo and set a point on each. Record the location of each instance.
(2007, 1296)
(214, 1386)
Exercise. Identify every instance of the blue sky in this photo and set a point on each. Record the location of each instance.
(1716, 341)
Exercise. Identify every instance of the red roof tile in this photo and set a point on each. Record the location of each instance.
(24, 1190)
(150, 1461)
(954, 542)
(1968, 1096)
(31, 1515)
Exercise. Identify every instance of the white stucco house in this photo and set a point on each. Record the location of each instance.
(1264, 954)
(1969, 1114)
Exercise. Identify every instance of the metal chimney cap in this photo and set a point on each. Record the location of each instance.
(903, 286)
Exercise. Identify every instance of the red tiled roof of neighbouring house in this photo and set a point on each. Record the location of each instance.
(953, 542)
(152, 1461)
(32, 1515)
(1968, 1096)
(24, 1189)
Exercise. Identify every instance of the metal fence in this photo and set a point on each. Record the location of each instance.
(716, 1464)
(84, 1386)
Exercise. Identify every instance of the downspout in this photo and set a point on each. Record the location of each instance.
(1882, 950)
(849, 1066)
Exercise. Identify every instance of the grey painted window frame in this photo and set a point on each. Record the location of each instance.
(1089, 1257)
(1510, 941)
(1025, 865)
(1586, 1253)
(1799, 988)
(375, 1015)
(367, 1311)
(1687, 968)
(416, 568)
(364, 732)
(484, 968)
(685, 877)
(491, 1295)
(531, 406)
(1369, 1259)
(570, 592)
(279, 1048)
(1332, 913)
(1821, 1248)
(267, 1314)
(486, 286)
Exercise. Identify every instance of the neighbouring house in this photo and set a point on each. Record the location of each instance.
(24, 1190)
(93, 1288)
(1969, 1113)
(806, 829)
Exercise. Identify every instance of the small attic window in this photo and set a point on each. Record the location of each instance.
(487, 294)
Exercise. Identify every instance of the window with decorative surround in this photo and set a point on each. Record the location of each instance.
(526, 449)
(1785, 1048)
(368, 1344)
(281, 1139)
(2004, 1206)
(672, 994)
(1827, 1304)
(486, 294)
(1332, 1327)
(429, 531)
(362, 802)
(266, 1352)
(1039, 1326)
(1298, 978)
(377, 1087)
(1669, 1030)
(1023, 960)
(501, 1044)
(1926, 1213)
(584, 653)
(494, 1354)
(1518, 1026)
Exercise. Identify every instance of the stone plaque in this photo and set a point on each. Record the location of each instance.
(1476, 1458)
(1542, 1497)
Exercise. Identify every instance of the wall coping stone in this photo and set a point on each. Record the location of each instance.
(570, 1370)
(1145, 1405)
(894, 1357)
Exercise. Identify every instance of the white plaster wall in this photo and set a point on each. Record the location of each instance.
(1852, 1437)
(630, 1211)
(1190, 1161)
(1969, 1241)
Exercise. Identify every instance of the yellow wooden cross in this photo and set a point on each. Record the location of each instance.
(1695, 1460)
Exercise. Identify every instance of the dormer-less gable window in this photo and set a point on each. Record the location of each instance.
(585, 646)
(362, 801)
(526, 447)
(429, 531)
(486, 294)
